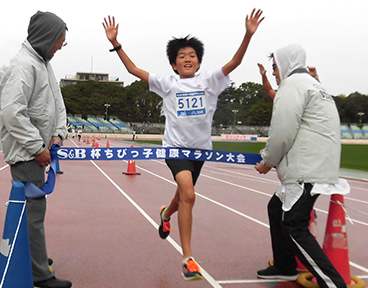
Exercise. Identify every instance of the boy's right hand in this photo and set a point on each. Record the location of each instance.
(111, 29)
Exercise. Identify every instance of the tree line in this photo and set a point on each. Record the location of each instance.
(247, 104)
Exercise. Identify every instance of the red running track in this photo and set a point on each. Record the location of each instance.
(101, 225)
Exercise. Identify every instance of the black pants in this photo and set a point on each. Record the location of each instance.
(291, 237)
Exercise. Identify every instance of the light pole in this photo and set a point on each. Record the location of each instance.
(234, 111)
(361, 114)
(360, 124)
(107, 108)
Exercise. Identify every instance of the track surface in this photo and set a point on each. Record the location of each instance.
(101, 225)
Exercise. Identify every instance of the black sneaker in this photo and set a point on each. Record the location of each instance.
(53, 283)
(164, 229)
(273, 272)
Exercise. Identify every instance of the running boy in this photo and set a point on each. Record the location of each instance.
(189, 104)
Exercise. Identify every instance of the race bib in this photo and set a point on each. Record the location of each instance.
(190, 104)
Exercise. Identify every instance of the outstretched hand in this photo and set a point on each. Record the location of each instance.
(252, 22)
(262, 70)
(110, 28)
(312, 71)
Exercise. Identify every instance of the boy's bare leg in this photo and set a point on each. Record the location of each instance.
(174, 205)
(186, 203)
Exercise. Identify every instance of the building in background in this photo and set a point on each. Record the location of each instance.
(89, 76)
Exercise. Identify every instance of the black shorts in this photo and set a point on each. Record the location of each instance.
(178, 165)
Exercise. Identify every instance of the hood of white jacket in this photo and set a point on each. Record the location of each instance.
(290, 58)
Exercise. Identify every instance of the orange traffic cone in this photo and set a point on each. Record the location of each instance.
(131, 168)
(108, 144)
(335, 245)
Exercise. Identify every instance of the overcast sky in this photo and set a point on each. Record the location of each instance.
(333, 33)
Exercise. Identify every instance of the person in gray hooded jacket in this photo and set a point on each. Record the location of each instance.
(32, 118)
(304, 145)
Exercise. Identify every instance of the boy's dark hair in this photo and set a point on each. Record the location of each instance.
(174, 45)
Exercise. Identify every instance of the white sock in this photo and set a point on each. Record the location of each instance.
(187, 259)
(164, 217)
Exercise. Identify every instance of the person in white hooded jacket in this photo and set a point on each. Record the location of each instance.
(32, 118)
(304, 146)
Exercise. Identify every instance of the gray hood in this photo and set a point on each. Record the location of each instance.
(290, 58)
(45, 28)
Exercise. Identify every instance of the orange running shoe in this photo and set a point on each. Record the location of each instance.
(191, 270)
(164, 229)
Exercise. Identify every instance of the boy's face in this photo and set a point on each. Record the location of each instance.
(187, 62)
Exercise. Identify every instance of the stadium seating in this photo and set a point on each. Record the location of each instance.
(120, 124)
(109, 125)
(365, 131)
(100, 126)
(346, 132)
(357, 132)
(87, 126)
(74, 121)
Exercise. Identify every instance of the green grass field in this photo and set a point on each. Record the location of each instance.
(352, 156)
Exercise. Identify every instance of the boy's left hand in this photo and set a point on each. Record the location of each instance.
(111, 28)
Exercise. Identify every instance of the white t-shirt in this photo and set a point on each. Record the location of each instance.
(189, 105)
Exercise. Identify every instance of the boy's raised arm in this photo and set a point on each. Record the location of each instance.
(112, 32)
(251, 24)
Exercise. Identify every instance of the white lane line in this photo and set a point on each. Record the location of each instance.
(353, 220)
(242, 175)
(206, 275)
(359, 267)
(242, 215)
(354, 199)
(268, 195)
(238, 186)
(2, 168)
(251, 281)
(216, 202)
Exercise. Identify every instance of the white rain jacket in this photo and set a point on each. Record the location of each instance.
(32, 109)
(304, 140)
